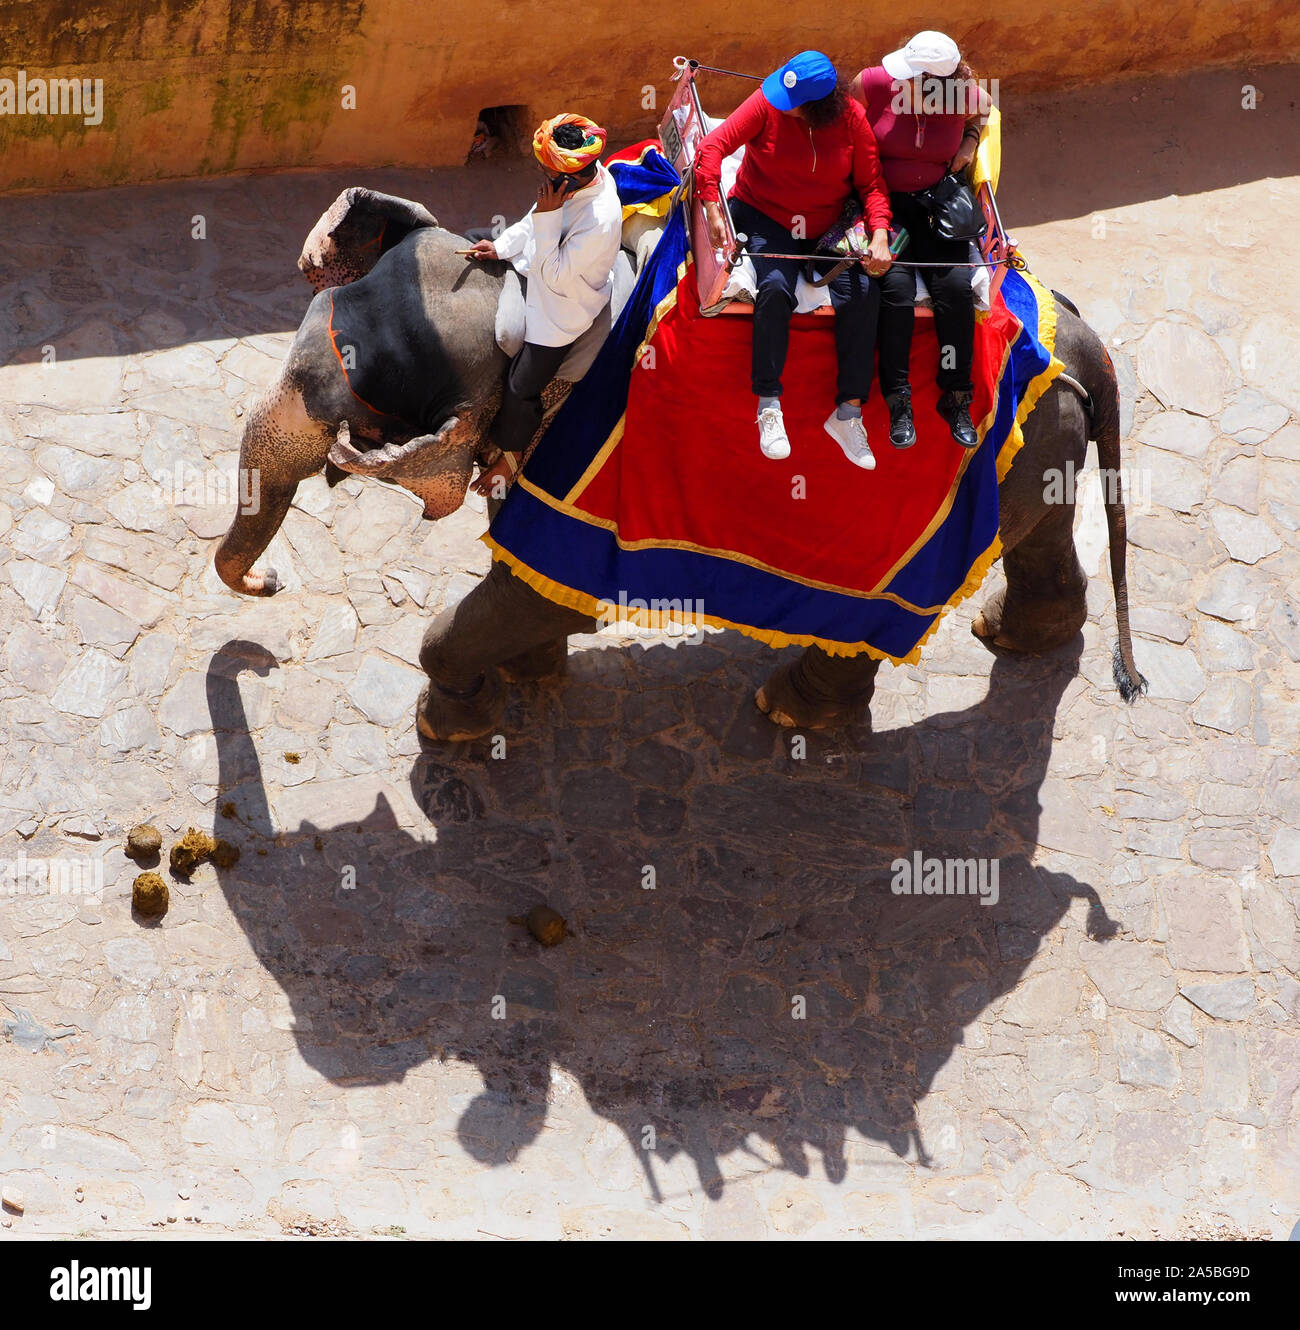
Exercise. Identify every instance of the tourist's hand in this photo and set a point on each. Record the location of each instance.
(482, 249)
(879, 259)
(717, 225)
(965, 155)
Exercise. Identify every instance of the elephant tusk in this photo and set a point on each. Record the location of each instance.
(1074, 383)
(376, 461)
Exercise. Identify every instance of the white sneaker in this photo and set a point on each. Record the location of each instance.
(851, 435)
(771, 434)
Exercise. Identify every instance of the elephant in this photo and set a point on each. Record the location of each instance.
(435, 345)
(505, 628)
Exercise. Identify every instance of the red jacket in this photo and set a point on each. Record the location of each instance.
(791, 170)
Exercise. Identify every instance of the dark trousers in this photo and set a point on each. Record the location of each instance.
(855, 297)
(520, 414)
(950, 294)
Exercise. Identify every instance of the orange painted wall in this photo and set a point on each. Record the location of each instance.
(201, 87)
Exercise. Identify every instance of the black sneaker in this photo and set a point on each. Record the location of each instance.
(955, 409)
(902, 432)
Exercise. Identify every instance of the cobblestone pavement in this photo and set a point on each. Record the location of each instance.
(309, 1041)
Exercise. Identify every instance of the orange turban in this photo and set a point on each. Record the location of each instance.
(565, 161)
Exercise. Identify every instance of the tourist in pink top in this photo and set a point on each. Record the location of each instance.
(926, 112)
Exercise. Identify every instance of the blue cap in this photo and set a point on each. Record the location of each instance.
(805, 78)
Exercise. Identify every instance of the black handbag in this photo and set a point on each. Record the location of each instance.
(953, 210)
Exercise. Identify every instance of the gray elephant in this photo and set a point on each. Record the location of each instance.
(390, 282)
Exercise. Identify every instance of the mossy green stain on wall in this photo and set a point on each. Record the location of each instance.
(61, 33)
(56, 128)
(158, 96)
(274, 104)
(232, 110)
(310, 97)
(257, 89)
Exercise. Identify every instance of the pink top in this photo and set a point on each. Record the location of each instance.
(914, 149)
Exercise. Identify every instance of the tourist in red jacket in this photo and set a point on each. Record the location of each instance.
(808, 146)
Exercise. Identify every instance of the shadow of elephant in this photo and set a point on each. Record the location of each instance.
(764, 982)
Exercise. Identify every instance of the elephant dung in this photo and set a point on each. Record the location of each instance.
(143, 842)
(545, 925)
(225, 855)
(194, 848)
(149, 894)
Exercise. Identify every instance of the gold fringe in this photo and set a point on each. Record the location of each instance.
(573, 599)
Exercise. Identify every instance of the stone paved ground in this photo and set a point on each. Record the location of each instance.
(307, 1041)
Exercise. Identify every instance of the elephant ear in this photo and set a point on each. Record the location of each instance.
(354, 231)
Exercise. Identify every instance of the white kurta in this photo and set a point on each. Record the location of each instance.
(568, 257)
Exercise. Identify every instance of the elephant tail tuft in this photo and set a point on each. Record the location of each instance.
(1130, 683)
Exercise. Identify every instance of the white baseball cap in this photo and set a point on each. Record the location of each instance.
(927, 53)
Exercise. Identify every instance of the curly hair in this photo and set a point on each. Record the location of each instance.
(571, 137)
(957, 86)
(826, 110)
(568, 136)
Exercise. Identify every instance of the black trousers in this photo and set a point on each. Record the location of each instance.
(855, 297)
(520, 413)
(950, 294)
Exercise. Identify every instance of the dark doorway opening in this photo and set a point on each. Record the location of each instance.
(501, 131)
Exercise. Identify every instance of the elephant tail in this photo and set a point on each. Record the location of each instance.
(1104, 415)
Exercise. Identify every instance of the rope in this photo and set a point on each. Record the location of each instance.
(732, 73)
(1012, 261)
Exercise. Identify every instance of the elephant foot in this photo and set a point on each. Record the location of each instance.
(449, 717)
(548, 660)
(1037, 625)
(783, 705)
(988, 622)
